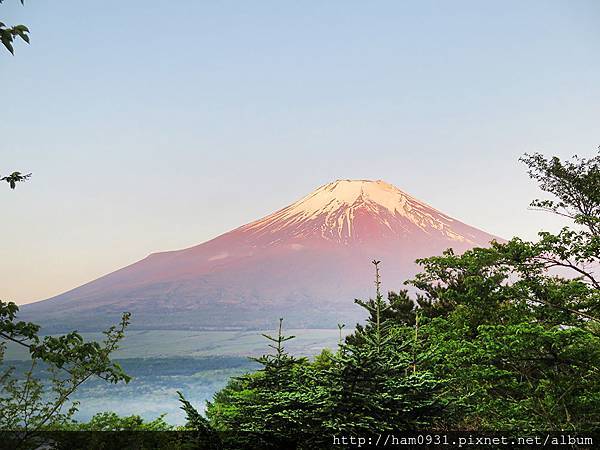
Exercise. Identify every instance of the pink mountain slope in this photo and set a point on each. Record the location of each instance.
(306, 262)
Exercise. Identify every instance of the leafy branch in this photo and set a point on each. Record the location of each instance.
(9, 34)
(26, 403)
(15, 177)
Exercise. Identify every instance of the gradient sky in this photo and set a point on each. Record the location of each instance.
(153, 125)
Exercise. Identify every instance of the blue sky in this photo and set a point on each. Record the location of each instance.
(154, 125)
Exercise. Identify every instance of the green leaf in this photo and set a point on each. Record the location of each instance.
(21, 28)
(8, 44)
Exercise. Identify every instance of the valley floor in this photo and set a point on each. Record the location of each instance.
(163, 362)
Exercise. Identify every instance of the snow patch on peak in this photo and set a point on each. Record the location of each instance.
(331, 211)
(353, 193)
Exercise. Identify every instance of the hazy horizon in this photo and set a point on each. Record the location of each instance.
(153, 141)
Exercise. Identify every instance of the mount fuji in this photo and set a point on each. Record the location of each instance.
(306, 262)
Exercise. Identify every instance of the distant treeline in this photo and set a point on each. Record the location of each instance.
(148, 367)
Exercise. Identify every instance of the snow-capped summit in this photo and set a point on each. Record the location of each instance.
(305, 262)
(350, 211)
